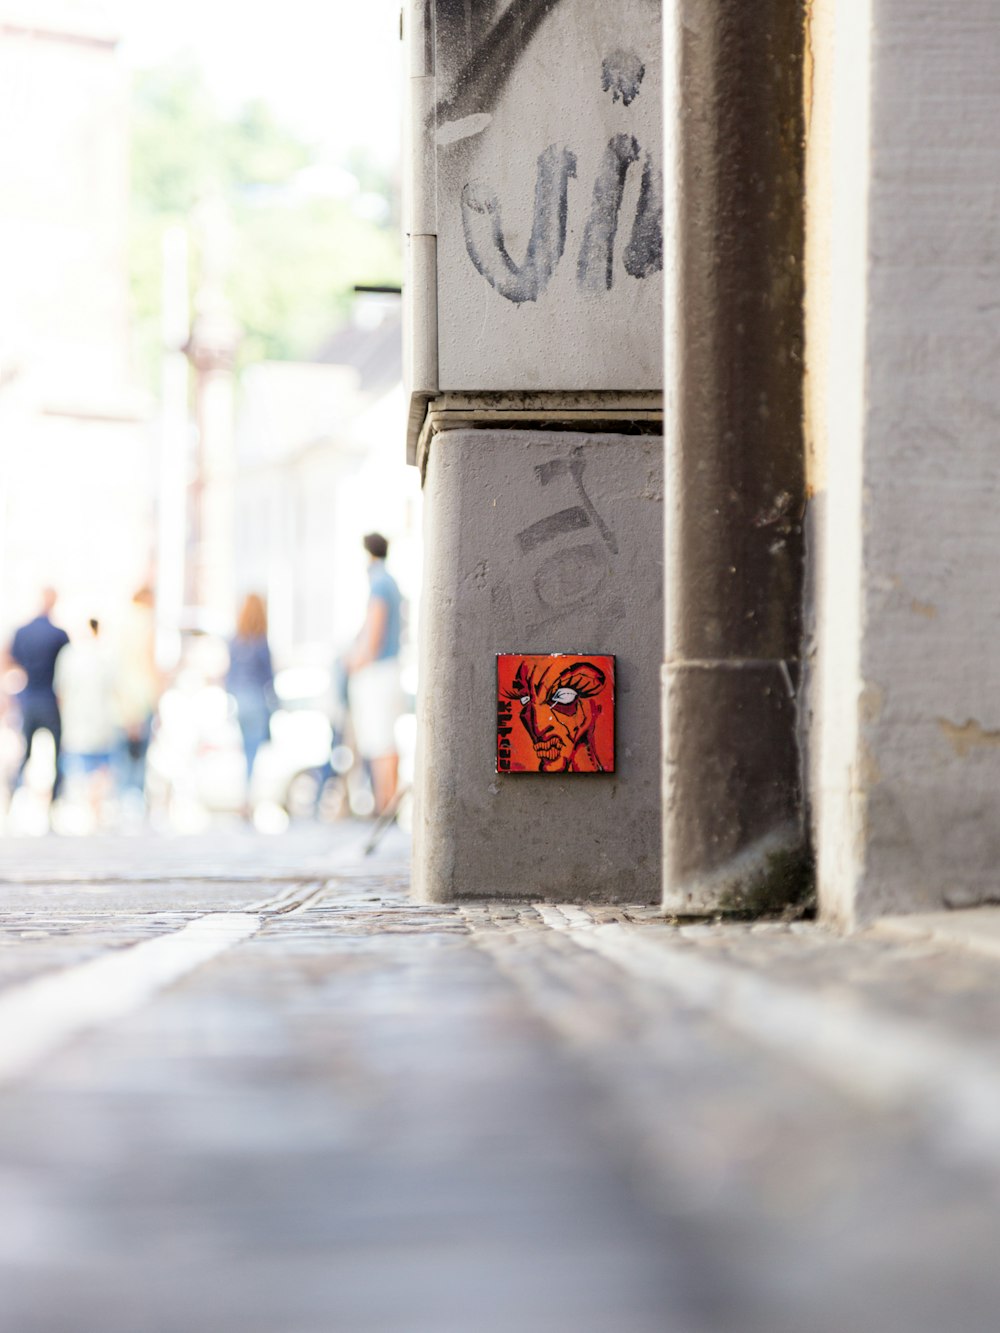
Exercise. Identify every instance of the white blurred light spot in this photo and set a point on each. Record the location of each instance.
(269, 818)
(306, 682)
(363, 803)
(341, 758)
(13, 681)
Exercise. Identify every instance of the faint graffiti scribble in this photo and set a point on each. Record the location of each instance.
(566, 520)
(571, 576)
(484, 238)
(621, 74)
(595, 267)
(568, 579)
(574, 467)
(644, 252)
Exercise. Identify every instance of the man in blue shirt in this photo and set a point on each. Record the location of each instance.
(373, 665)
(34, 649)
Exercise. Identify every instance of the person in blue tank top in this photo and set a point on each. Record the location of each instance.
(374, 690)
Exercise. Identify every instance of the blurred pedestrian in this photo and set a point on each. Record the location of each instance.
(139, 687)
(85, 687)
(250, 679)
(373, 666)
(34, 649)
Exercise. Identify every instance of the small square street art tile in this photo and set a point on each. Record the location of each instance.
(555, 713)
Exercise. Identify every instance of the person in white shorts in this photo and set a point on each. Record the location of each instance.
(373, 689)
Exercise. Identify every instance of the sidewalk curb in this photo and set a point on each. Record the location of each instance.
(976, 930)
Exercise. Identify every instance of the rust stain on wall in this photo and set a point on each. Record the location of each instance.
(871, 703)
(967, 737)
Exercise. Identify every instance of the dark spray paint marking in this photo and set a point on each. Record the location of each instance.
(484, 238)
(566, 520)
(567, 580)
(621, 74)
(644, 252)
(478, 84)
(595, 267)
(561, 467)
(428, 36)
(461, 26)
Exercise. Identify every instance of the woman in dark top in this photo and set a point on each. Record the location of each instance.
(250, 679)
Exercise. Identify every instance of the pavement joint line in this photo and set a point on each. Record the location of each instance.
(45, 1014)
(276, 901)
(42, 1015)
(292, 906)
(883, 1063)
(288, 903)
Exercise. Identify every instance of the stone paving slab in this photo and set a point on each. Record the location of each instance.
(926, 980)
(808, 1210)
(374, 1115)
(974, 930)
(335, 1127)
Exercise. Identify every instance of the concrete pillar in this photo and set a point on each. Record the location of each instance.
(534, 313)
(734, 832)
(490, 587)
(904, 402)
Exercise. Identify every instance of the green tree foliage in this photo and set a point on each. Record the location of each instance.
(298, 246)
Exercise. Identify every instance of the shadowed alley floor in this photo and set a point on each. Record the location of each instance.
(246, 1084)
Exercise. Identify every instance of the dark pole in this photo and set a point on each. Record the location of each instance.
(735, 826)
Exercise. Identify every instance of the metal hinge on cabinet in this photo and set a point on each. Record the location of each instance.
(420, 346)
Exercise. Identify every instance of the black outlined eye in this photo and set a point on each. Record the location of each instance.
(525, 698)
(565, 695)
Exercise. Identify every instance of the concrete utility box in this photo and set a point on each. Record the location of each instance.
(534, 219)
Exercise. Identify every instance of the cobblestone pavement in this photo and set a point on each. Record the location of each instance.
(246, 1084)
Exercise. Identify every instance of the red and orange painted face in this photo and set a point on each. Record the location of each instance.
(559, 700)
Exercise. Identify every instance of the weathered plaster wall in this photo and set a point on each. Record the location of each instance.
(494, 583)
(910, 676)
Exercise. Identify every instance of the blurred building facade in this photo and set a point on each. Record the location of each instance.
(316, 468)
(266, 482)
(76, 478)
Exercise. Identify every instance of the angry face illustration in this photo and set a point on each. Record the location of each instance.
(560, 713)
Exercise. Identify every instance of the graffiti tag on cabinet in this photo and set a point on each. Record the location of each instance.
(556, 166)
